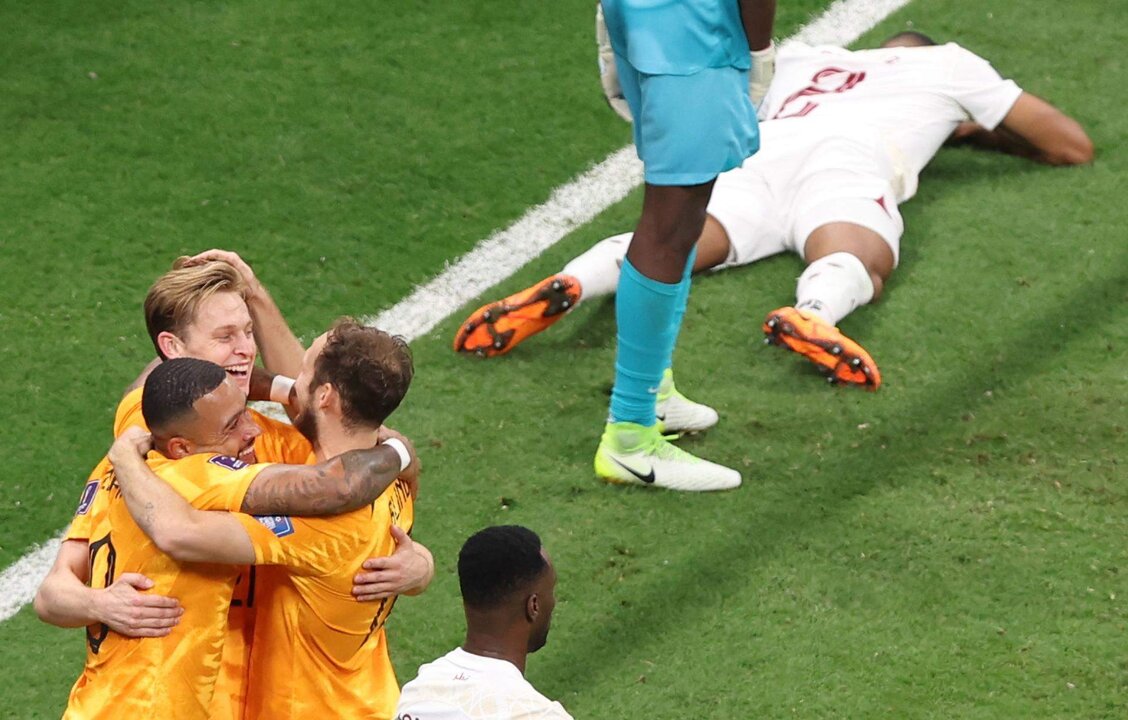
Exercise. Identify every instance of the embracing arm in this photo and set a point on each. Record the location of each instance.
(346, 482)
(174, 526)
(64, 600)
(407, 571)
(1033, 129)
(341, 484)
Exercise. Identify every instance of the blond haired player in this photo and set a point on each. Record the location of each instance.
(192, 311)
(198, 415)
(211, 307)
(314, 646)
(846, 136)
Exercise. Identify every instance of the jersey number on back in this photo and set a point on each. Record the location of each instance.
(827, 80)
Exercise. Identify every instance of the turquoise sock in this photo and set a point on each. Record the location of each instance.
(683, 300)
(644, 311)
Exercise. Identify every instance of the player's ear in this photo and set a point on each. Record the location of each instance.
(179, 447)
(170, 345)
(532, 607)
(325, 396)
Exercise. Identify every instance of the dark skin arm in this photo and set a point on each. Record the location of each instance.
(1033, 129)
(758, 17)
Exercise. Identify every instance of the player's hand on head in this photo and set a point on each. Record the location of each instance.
(215, 254)
(128, 610)
(608, 71)
(407, 571)
(132, 443)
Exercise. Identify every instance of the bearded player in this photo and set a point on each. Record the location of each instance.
(314, 645)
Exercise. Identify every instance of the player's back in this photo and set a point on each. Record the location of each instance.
(172, 676)
(314, 645)
(912, 97)
(464, 686)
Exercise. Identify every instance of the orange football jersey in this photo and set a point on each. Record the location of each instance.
(173, 676)
(315, 647)
(280, 443)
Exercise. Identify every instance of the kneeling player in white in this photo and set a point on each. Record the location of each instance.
(508, 592)
(846, 136)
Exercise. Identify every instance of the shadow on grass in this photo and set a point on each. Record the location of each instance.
(929, 418)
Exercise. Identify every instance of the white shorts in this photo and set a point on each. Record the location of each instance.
(800, 181)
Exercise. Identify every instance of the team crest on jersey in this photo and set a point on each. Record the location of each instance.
(87, 498)
(228, 462)
(280, 525)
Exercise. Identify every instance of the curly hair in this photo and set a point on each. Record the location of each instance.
(370, 369)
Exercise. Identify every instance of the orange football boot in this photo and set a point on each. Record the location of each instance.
(498, 327)
(844, 360)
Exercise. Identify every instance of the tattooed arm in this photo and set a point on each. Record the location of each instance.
(347, 482)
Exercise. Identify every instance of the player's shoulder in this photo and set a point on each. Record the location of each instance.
(200, 467)
(128, 413)
(798, 50)
(953, 52)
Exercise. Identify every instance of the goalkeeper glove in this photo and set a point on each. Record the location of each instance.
(608, 73)
(760, 76)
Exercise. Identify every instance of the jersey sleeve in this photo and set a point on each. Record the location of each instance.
(280, 442)
(979, 89)
(212, 482)
(129, 412)
(93, 501)
(307, 546)
(227, 491)
(91, 504)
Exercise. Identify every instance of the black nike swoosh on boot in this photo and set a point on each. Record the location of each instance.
(648, 478)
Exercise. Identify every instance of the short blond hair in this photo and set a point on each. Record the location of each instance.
(172, 301)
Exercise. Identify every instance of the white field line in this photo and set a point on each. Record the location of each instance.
(503, 253)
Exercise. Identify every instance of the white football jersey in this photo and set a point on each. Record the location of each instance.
(463, 686)
(912, 97)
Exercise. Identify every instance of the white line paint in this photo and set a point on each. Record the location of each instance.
(503, 253)
(19, 581)
(844, 21)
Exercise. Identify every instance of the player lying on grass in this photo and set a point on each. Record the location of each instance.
(847, 135)
(314, 646)
(198, 413)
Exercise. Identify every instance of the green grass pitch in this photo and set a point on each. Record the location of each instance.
(951, 546)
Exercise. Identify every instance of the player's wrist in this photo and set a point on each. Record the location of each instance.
(94, 605)
(401, 451)
(281, 388)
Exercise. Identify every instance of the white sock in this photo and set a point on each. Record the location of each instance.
(598, 268)
(833, 286)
